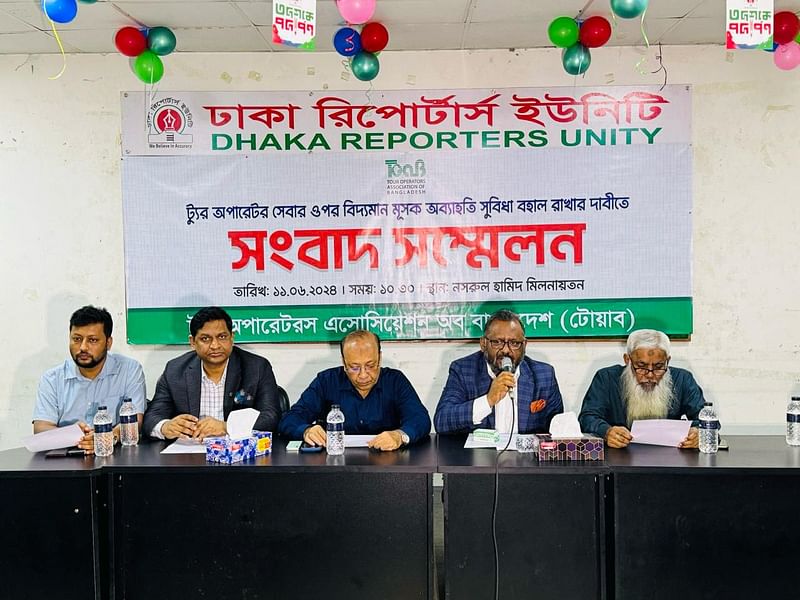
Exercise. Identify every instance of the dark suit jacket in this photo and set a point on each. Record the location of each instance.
(538, 396)
(178, 389)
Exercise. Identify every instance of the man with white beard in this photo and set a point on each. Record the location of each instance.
(646, 387)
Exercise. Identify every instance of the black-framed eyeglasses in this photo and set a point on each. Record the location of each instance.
(658, 369)
(498, 344)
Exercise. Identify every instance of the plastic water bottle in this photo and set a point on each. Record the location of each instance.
(103, 435)
(793, 422)
(128, 423)
(709, 429)
(335, 430)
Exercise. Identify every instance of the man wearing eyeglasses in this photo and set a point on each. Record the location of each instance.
(199, 389)
(480, 393)
(374, 399)
(646, 387)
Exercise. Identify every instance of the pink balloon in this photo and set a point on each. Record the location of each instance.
(356, 12)
(787, 56)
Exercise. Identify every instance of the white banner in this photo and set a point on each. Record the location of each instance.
(608, 226)
(599, 215)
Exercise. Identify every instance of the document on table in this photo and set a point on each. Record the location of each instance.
(660, 432)
(473, 442)
(352, 440)
(185, 446)
(60, 437)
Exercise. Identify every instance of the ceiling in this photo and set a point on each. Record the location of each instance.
(245, 25)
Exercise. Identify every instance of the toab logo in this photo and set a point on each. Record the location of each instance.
(405, 180)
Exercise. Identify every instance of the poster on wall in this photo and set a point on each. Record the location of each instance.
(294, 22)
(748, 24)
(411, 213)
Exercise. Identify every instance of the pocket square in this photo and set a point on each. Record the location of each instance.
(242, 397)
(538, 405)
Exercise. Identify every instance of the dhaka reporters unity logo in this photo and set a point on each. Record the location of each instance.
(168, 122)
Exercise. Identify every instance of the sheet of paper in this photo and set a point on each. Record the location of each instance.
(660, 432)
(185, 446)
(476, 443)
(60, 437)
(352, 440)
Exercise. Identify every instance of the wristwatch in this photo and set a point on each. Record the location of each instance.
(404, 437)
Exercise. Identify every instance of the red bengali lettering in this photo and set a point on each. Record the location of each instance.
(239, 239)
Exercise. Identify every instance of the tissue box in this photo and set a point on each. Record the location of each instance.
(263, 442)
(577, 448)
(227, 450)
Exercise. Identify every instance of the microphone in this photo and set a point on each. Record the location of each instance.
(507, 365)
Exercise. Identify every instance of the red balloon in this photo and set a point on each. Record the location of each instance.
(595, 31)
(374, 37)
(786, 26)
(130, 41)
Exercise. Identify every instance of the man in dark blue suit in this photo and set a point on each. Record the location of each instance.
(375, 400)
(479, 393)
(199, 389)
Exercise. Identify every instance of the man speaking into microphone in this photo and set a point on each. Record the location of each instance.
(499, 387)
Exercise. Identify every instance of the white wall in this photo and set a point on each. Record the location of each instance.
(61, 222)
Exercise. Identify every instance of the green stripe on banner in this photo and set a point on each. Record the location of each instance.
(543, 319)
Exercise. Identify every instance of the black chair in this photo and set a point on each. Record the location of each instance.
(283, 400)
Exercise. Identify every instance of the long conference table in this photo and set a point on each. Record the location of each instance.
(648, 522)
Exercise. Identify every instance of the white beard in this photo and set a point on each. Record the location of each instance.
(642, 404)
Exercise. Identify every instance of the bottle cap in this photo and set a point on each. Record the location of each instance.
(708, 404)
(102, 407)
(795, 398)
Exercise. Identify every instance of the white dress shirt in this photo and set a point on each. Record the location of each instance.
(505, 416)
(212, 400)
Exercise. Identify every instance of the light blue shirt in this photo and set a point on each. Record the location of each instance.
(65, 396)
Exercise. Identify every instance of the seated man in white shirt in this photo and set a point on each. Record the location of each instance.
(72, 391)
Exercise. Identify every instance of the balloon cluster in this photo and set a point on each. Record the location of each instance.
(147, 47)
(576, 39)
(361, 48)
(786, 33)
(62, 11)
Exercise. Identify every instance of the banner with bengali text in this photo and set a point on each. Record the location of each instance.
(411, 213)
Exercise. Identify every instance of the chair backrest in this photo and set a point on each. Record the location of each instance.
(283, 400)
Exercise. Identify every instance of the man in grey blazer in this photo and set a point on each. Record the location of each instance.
(199, 389)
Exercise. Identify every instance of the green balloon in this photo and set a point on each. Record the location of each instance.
(148, 67)
(576, 59)
(365, 66)
(563, 32)
(161, 40)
